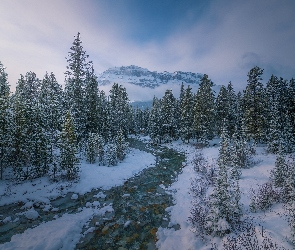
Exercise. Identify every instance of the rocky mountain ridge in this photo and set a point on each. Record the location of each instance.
(145, 78)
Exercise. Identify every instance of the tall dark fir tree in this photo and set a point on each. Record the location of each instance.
(254, 105)
(186, 114)
(5, 120)
(204, 111)
(75, 78)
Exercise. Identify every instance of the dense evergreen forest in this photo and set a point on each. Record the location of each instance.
(45, 130)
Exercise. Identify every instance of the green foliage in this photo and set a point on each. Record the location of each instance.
(76, 75)
(110, 158)
(186, 114)
(121, 146)
(119, 111)
(204, 112)
(154, 126)
(91, 103)
(254, 105)
(5, 120)
(94, 148)
(68, 159)
(224, 203)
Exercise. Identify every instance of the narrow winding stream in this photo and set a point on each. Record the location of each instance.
(139, 207)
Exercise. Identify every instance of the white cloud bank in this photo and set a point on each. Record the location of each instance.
(229, 39)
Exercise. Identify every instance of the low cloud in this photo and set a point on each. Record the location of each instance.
(224, 42)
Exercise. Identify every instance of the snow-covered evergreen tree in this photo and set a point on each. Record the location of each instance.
(119, 110)
(110, 157)
(168, 117)
(186, 114)
(224, 209)
(91, 103)
(232, 109)
(103, 116)
(75, 86)
(279, 174)
(145, 120)
(291, 104)
(204, 112)
(240, 127)
(69, 161)
(279, 127)
(5, 120)
(27, 125)
(93, 148)
(20, 148)
(121, 146)
(221, 108)
(241, 151)
(40, 151)
(154, 126)
(254, 105)
(51, 108)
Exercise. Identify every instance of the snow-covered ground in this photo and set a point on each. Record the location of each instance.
(274, 221)
(92, 176)
(65, 232)
(61, 233)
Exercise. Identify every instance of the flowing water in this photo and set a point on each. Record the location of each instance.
(139, 207)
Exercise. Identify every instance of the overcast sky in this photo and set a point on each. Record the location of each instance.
(222, 38)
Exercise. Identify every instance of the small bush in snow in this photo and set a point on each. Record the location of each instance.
(248, 240)
(263, 197)
(202, 166)
(199, 162)
(199, 209)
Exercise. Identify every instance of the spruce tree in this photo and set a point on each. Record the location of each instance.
(280, 174)
(100, 149)
(232, 109)
(103, 116)
(186, 115)
(279, 126)
(218, 218)
(240, 121)
(119, 111)
(41, 154)
(92, 147)
(225, 210)
(5, 120)
(27, 125)
(75, 86)
(20, 146)
(221, 107)
(68, 159)
(145, 120)
(154, 126)
(204, 112)
(226, 109)
(91, 102)
(111, 154)
(167, 116)
(254, 105)
(291, 104)
(121, 146)
(51, 108)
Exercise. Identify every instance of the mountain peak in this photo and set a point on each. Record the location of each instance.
(143, 77)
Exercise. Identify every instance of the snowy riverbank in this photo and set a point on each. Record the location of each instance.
(273, 221)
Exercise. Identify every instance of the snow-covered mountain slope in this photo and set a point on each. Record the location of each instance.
(145, 78)
(142, 85)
